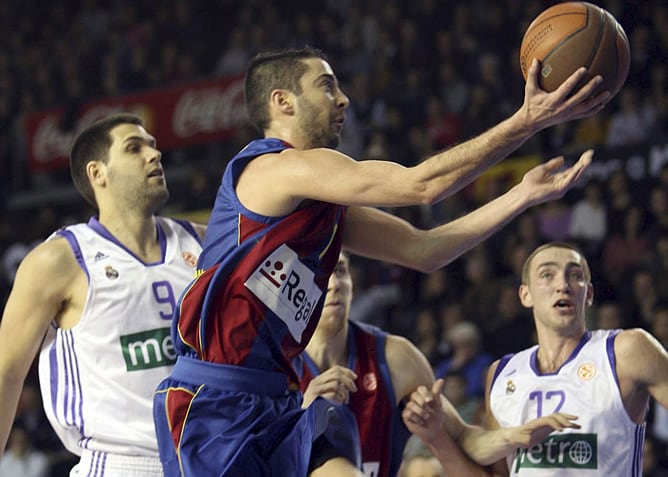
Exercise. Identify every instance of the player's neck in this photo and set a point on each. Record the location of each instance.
(554, 351)
(136, 231)
(287, 134)
(328, 348)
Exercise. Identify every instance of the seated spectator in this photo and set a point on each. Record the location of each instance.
(628, 248)
(588, 225)
(418, 461)
(21, 459)
(467, 358)
(609, 316)
(455, 386)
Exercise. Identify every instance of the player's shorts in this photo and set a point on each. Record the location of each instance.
(105, 464)
(223, 420)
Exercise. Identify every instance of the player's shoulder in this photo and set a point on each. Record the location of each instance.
(55, 251)
(631, 342)
(52, 260)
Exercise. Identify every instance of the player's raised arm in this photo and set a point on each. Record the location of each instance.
(427, 250)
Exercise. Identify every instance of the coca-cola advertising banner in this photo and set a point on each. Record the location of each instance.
(179, 116)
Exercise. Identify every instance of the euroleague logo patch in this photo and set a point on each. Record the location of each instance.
(587, 371)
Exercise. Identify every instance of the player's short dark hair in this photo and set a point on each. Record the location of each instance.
(272, 70)
(92, 144)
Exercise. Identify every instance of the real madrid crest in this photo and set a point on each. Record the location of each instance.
(111, 272)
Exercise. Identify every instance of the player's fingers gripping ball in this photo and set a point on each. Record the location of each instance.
(570, 35)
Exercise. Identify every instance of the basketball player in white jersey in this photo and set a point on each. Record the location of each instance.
(604, 377)
(97, 298)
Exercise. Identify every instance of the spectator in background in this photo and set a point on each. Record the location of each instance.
(644, 297)
(480, 292)
(554, 220)
(619, 198)
(626, 249)
(658, 211)
(21, 459)
(588, 225)
(425, 335)
(633, 122)
(609, 316)
(654, 462)
(455, 389)
(235, 56)
(467, 358)
(418, 461)
(510, 332)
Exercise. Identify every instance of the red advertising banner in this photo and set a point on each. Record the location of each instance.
(178, 116)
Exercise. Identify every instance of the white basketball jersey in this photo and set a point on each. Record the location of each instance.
(98, 378)
(608, 444)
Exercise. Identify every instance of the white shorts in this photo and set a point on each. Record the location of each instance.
(104, 464)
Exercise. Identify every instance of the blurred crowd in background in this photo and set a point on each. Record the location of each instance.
(421, 75)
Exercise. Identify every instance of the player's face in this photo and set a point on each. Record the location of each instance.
(134, 171)
(339, 291)
(558, 290)
(321, 106)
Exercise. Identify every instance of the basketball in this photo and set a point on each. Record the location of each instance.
(569, 35)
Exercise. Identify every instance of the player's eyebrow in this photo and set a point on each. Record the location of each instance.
(326, 76)
(150, 140)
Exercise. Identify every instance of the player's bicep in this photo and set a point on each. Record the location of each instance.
(408, 366)
(638, 346)
(289, 178)
(330, 176)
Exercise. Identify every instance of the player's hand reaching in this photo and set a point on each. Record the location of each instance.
(542, 109)
(334, 384)
(423, 413)
(533, 432)
(550, 181)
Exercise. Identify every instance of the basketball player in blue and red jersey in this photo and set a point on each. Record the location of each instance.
(374, 372)
(287, 205)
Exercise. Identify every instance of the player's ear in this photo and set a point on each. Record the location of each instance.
(525, 296)
(590, 294)
(94, 171)
(281, 99)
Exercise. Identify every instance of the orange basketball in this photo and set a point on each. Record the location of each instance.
(569, 35)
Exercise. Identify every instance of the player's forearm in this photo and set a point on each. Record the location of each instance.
(454, 461)
(10, 390)
(486, 446)
(458, 166)
(447, 242)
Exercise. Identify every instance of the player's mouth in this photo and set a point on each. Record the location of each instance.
(338, 124)
(333, 303)
(157, 173)
(564, 305)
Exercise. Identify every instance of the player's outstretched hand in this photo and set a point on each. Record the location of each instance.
(335, 384)
(533, 432)
(423, 414)
(551, 181)
(543, 109)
